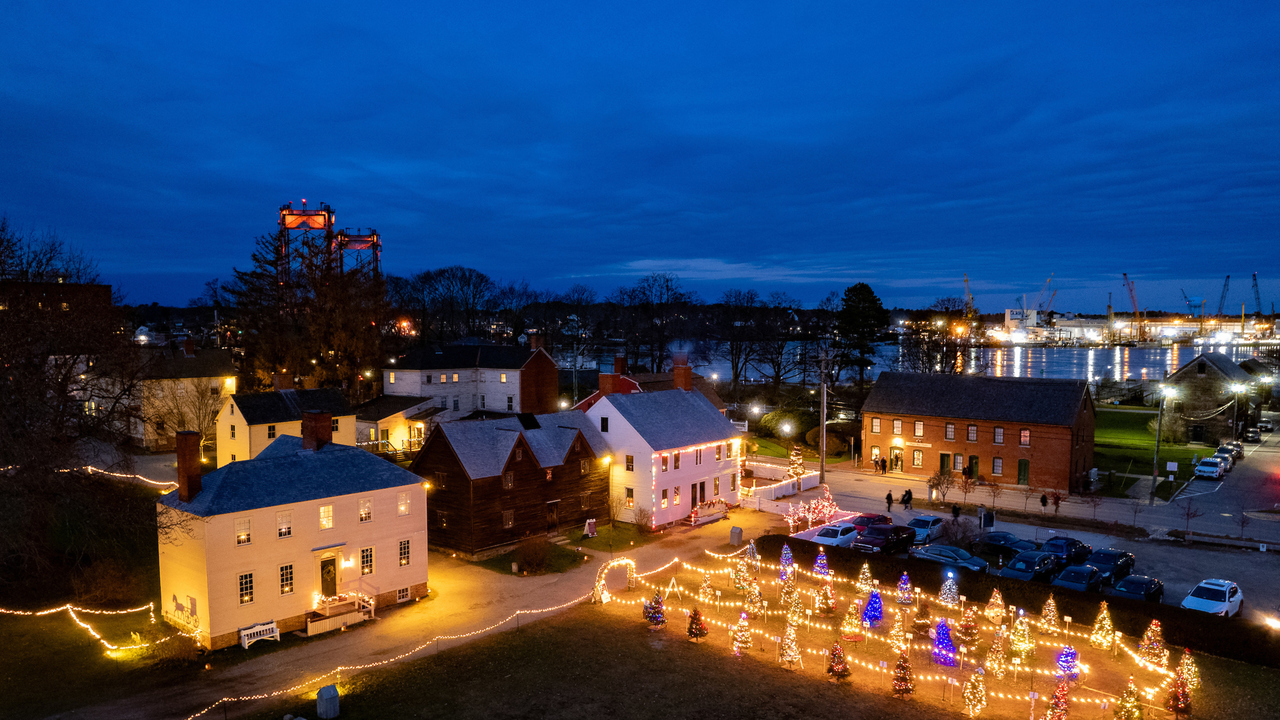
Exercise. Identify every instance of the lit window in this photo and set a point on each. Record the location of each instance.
(402, 595)
(715, 486)
(246, 588)
(508, 519)
(997, 436)
(631, 463)
(950, 431)
(972, 434)
(1024, 437)
(404, 553)
(391, 378)
(271, 431)
(957, 462)
(326, 517)
(664, 463)
(243, 536)
(503, 377)
(677, 496)
(919, 428)
(366, 510)
(997, 466)
(443, 378)
(286, 579)
(402, 503)
(366, 561)
(631, 498)
(717, 453)
(897, 427)
(584, 466)
(664, 499)
(733, 482)
(917, 458)
(455, 377)
(675, 457)
(549, 474)
(508, 480)
(335, 424)
(875, 425)
(284, 524)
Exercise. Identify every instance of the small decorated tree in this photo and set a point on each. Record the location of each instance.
(753, 557)
(1058, 703)
(1188, 668)
(795, 465)
(967, 632)
(697, 628)
(655, 613)
(852, 622)
(1152, 648)
(1103, 631)
(906, 594)
(754, 604)
(903, 683)
(837, 668)
(786, 562)
(975, 693)
(950, 594)
(944, 652)
(995, 654)
(826, 599)
(741, 575)
(923, 621)
(741, 635)
(795, 612)
(1049, 616)
(705, 593)
(1021, 643)
(788, 587)
(820, 565)
(788, 651)
(872, 613)
(864, 584)
(1129, 706)
(898, 634)
(995, 607)
(1069, 663)
(1179, 699)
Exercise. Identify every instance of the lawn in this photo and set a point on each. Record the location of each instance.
(622, 536)
(772, 448)
(559, 559)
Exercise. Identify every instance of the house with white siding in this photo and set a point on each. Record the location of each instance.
(249, 422)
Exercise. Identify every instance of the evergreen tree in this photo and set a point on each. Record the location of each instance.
(754, 604)
(837, 668)
(788, 592)
(903, 682)
(968, 630)
(1129, 706)
(1188, 668)
(741, 575)
(864, 584)
(852, 622)
(1179, 699)
(1058, 703)
(741, 635)
(1049, 616)
(950, 594)
(975, 694)
(860, 322)
(786, 562)
(898, 634)
(753, 557)
(788, 651)
(1103, 632)
(923, 620)
(705, 593)
(1021, 643)
(873, 612)
(1152, 648)
(654, 611)
(906, 594)
(820, 565)
(1069, 662)
(944, 652)
(795, 612)
(995, 654)
(697, 628)
(995, 608)
(826, 599)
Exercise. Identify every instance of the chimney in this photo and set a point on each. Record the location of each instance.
(282, 381)
(619, 364)
(681, 373)
(189, 348)
(535, 342)
(317, 430)
(188, 465)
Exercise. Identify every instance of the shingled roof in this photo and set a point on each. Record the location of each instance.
(673, 418)
(384, 406)
(284, 473)
(172, 363)
(483, 446)
(448, 357)
(288, 405)
(1039, 401)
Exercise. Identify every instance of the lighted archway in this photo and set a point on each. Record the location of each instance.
(598, 593)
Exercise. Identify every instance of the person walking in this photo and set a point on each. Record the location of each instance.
(910, 497)
(888, 502)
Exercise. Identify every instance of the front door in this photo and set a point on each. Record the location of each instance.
(973, 466)
(329, 577)
(1024, 472)
(895, 458)
(702, 491)
(553, 517)
(944, 462)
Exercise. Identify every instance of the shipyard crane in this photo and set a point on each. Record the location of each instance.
(1222, 302)
(1257, 298)
(1133, 298)
(1040, 301)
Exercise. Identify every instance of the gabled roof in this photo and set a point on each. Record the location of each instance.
(1223, 364)
(657, 382)
(284, 473)
(673, 418)
(172, 363)
(483, 446)
(449, 357)
(385, 406)
(1039, 401)
(1254, 367)
(288, 405)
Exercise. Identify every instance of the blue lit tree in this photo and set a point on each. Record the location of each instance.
(874, 610)
(1069, 662)
(820, 565)
(944, 653)
(786, 562)
(906, 595)
(654, 612)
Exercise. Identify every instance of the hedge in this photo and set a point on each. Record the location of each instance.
(1234, 639)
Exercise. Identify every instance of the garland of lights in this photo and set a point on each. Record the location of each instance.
(898, 634)
(705, 592)
(995, 654)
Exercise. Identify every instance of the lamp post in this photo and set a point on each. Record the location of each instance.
(1165, 394)
(1236, 389)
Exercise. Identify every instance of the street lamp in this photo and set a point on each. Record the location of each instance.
(1165, 394)
(1236, 389)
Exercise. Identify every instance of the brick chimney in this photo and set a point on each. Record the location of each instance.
(188, 465)
(535, 342)
(681, 373)
(609, 382)
(282, 381)
(317, 430)
(189, 348)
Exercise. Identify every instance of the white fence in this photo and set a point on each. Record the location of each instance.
(771, 482)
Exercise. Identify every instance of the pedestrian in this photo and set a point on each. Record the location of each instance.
(910, 497)
(888, 502)
(955, 511)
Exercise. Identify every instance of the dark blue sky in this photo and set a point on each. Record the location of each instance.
(781, 146)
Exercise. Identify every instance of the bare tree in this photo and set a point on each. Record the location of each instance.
(1243, 519)
(1189, 513)
(1095, 502)
(941, 482)
(1137, 509)
(737, 329)
(966, 485)
(175, 404)
(775, 356)
(996, 490)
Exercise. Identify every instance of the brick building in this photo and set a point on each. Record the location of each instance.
(1024, 431)
(1207, 395)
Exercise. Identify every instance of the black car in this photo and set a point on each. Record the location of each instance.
(1084, 578)
(1031, 565)
(1112, 563)
(948, 555)
(1139, 587)
(887, 539)
(1001, 544)
(1069, 551)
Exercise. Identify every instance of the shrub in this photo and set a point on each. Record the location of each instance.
(958, 533)
(177, 651)
(106, 582)
(835, 444)
(644, 520)
(534, 553)
(801, 422)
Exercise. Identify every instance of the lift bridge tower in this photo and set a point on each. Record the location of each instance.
(309, 243)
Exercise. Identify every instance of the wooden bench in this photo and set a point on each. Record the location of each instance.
(261, 631)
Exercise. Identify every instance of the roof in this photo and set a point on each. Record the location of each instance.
(657, 382)
(1039, 401)
(284, 473)
(385, 406)
(171, 363)
(1231, 371)
(483, 446)
(448, 357)
(288, 405)
(1254, 367)
(673, 418)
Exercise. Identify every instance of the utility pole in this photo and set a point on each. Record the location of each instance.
(822, 422)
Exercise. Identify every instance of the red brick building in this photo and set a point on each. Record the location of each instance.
(1023, 431)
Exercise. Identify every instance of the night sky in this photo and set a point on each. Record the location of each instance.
(781, 146)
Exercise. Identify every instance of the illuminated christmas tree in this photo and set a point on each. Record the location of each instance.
(753, 557)
(1058, 703)
(864, 584)
(903, 684)
(1103, 632)
(1049, 616)
(1069, 662)
(995, 607)
(705, 593)
(820, 565)
(837, 668)
(697, 628)
(654, 612)
(786, 562)
(967, 632)
(795, 612)
(754, 604)
(741, 575)
(906, 594)
(741, 636)
(995, 654)
(795, 466)
(1020, 641)
(1152, 648)
(826, 599)
(788, 651)
(898, 635)
(1179, 699)
(788, 587)
(923, 621)
(975, 694)
(1188, 668)
(944, 653)
(874, 611)
(950, 594)
(852, 622)
(1129, 706)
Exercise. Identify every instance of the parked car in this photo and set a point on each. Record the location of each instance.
(948, 555)
(1265, 425)
(1227, 456)
(1085, 578)
(1218, 597)
(1001, 544)
(1237, 448)
(1112, 563)
(927, 528)
(1252, 435)
(1068, 550)
(839, 535)
(887, 539)
(1210, 469)
(1031, 565)
(866, 520)
(1139, 587)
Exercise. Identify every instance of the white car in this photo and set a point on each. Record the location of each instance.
(1209, 468)
(838, 535)
(1217, 597)
(1265, 425)
(927, 528)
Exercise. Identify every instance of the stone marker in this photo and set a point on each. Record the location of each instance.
(327, 702)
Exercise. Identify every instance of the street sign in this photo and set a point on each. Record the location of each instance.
(1171, 467)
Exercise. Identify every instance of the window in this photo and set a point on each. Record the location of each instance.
(246, 588)
(917, 458)
(586, 501)
(697, 456)
(455, 377)
(366, 561)
(1024, 472)
(875, 425)
(950, 431)
(664, 463)
(502, 377)
(997, 436)
(1024, 437)
(233, 432)
(335, 424)
(233, 457)
(271, 431)
(455, 402)
(444, 378)
(286, 579)
(519, 453)
(631, 463)
(402, 595)
(664, 499)
(715, 485)
(604, 424)
(717, 453)
(442, 519)
(1201, 368)
(508, 519)
(631, 497)
(386, 434)
(243, 536)
(441, 476)
(428, 377)
(997, 466)
(675, 460)
(971, 434)
(159, 426)
(897, 427)
(444, 402)
(402, 503)
(958, 463)
(919, 429)
(326, 517)
(404, 553)
(548, 474)
(366, 510)
(284, 524)
(508, 480)
(875, 452)
(676, 493)
(373, 434)
(482, 402)
(733, 482)
(511, 403)
(392, 377)
(584, 466)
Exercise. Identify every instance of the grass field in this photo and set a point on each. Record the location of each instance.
(773, 448)
(559, 559)
(1124, 444)
(621, 536)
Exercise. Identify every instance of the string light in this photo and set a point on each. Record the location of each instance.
(71, 611)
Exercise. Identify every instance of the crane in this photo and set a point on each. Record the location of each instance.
(1133, 298)
(1222, 302)
(1257, 299)
(1040, 301)
(969, 310)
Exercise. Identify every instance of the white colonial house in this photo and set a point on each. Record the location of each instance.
(249, 422)
(309, 536)
(671, 450)
(485, 380)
